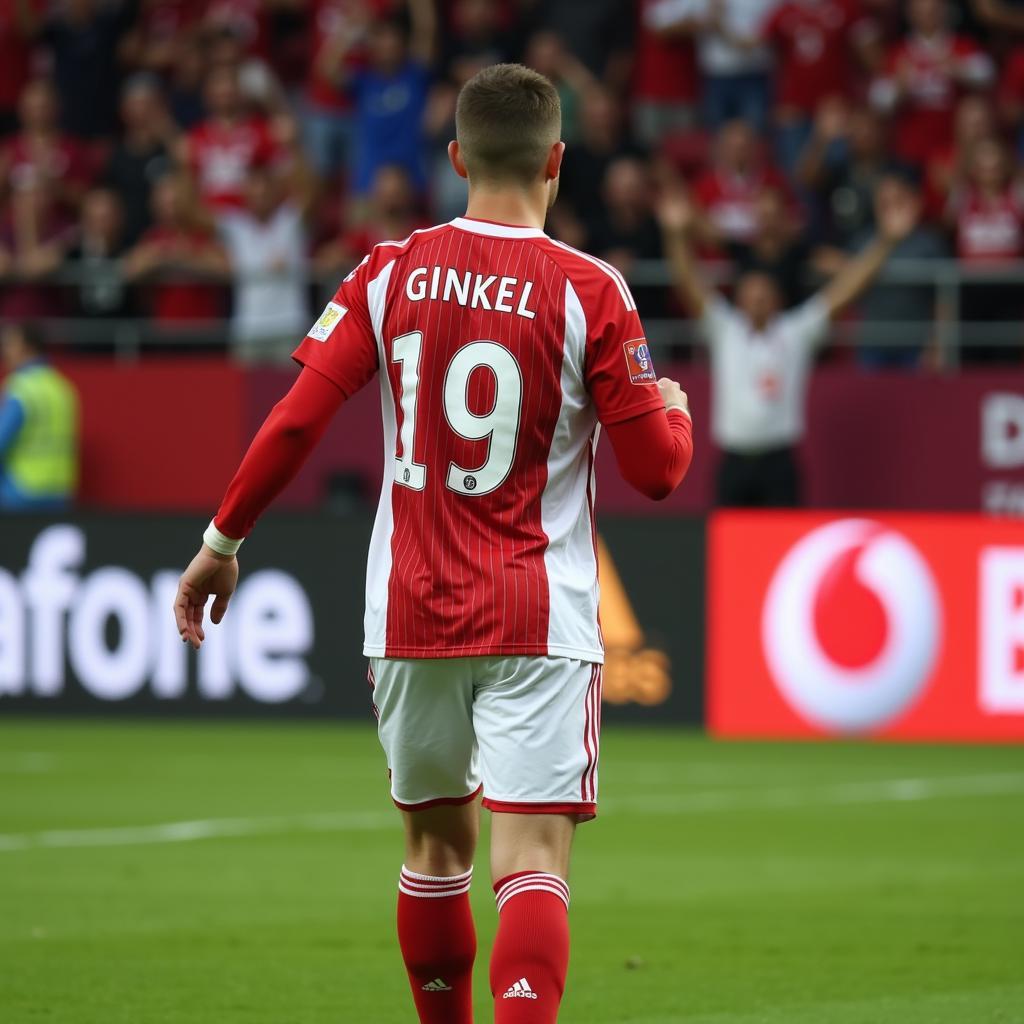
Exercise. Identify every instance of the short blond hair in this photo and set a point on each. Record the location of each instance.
(506, 120)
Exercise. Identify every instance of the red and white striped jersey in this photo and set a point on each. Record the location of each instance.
(501, 351)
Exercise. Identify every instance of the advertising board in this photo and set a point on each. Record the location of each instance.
(895, 626)
(86, 623)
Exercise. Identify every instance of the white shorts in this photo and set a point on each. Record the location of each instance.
(525, 730)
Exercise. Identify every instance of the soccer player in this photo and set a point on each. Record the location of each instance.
(499, 352)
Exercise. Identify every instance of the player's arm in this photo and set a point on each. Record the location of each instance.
(678, 218)
(276, 454)
(894, 225)
(339, 356)
(647, 419)
(654, 450)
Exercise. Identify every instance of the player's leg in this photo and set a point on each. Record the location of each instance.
(538, 725)
(424, 709)
(530, 960)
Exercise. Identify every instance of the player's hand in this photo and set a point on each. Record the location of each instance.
(673, 395)
(208, 573)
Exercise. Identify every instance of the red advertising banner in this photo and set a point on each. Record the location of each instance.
(906, 627)
(168, 433)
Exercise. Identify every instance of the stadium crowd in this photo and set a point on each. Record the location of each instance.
(178, 161)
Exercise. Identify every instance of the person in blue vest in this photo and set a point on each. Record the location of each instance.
(38, 427)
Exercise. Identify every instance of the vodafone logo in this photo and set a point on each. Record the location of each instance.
(851, 625)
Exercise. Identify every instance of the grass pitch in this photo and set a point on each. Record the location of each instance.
(229, 874)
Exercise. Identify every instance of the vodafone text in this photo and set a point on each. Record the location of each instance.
(53, 617)
(475, 291)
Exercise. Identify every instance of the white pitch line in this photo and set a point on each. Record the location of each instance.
(190, 831)
(782, 797)
(775, 798)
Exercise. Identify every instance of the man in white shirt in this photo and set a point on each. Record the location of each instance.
(266, 243)
(761, 356)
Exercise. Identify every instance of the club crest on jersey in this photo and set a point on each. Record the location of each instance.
(639, 362)
(329, 319)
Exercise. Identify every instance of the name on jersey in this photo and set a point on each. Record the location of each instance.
(474, 291)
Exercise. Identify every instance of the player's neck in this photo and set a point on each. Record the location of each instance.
(508, 206)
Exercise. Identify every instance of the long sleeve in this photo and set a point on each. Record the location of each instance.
(653, 450)
(279, 449)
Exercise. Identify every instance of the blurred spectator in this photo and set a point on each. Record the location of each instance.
(222, 149)
(258, 84)
(841, 167)
(143, 153)
(603, 139)
(162, 31)
(35, 234)
(899, 319)
(39, 151)
(20, 21)
(1011, 96)
(185, 93)
(776, 248)
(327, 109)
(728, 191)
(477, 40)
(597, 32)
(547, 53)
(244, 20)
(38, 427)
(98, 286)
(627, 230)
(819, 45)
(390, 214)
(987, 216)
(923, 78)
(761, 357)
(664, 87)
(735, 62)
(180, 257)
(974, 122)
(83, 37)
(389, 93)
(266, 245)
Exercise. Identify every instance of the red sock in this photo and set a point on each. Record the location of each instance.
(438, 940)
(531, 951)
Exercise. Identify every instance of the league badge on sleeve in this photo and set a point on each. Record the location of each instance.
(329, 319)
(639, 362)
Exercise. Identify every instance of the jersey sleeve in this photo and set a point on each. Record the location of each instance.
(618, 368)
(341, 344)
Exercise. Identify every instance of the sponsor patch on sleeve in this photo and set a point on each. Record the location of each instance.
(639, 362)
(329, 319)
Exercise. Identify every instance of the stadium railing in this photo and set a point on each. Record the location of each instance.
(131, 336)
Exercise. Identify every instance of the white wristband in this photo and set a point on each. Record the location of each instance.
(216, 540)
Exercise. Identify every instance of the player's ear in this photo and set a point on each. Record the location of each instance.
(455, 157)
(553, 167)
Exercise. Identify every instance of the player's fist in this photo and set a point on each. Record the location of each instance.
(673, 395)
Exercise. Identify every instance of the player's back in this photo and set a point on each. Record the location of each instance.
(492, 378)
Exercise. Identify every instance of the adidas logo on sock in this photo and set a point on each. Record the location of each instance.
(437, 985)
(520, 990)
